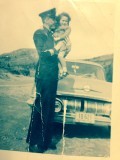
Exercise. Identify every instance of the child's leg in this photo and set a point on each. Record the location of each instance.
(62, 61)
(61, 55)
(60, 68)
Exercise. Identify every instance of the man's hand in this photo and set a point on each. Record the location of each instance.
(56, 38)
(58, 46)
(51, 51)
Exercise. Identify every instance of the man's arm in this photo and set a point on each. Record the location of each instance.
(39, 39)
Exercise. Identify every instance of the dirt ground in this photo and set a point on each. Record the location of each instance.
(78, 140)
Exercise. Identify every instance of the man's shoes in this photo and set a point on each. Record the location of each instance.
(52, 146)
(38, 149)
(32, 148)
(35, 149)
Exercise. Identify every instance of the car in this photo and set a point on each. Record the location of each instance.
(84, 96)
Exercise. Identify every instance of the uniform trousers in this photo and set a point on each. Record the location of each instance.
(41, 124)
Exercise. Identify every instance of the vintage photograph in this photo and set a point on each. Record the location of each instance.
(56, 76)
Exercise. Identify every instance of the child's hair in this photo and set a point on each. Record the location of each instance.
(60, 16)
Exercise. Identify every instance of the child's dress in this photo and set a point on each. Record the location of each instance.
(62, 34)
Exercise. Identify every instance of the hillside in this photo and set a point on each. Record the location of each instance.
(23, 62)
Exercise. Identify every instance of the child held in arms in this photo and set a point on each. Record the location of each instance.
(61, 35)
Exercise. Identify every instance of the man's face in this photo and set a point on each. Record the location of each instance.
(51, 23)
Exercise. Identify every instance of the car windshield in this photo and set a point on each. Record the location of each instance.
(85, 70)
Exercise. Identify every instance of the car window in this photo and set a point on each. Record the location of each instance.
(85, 70)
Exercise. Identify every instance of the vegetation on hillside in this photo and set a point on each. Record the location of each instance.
(23, 62)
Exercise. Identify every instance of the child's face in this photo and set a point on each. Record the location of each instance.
(64, 21)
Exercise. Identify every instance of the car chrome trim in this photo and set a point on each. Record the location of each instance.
(82, 96)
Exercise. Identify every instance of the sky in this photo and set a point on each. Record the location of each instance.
(92, 25)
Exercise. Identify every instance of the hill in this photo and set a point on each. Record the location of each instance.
(23, 62)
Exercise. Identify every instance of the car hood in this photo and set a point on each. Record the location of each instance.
(85, 88)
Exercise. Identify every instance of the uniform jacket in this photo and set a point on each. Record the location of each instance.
(47, 66)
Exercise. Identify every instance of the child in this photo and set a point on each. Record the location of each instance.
(61, 34)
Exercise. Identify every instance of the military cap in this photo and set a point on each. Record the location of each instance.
(49, 13)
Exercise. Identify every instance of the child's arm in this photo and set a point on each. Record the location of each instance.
(65, 34)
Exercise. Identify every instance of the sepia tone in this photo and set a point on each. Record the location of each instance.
(17, 77)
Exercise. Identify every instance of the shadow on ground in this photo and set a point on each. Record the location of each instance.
(82, 131)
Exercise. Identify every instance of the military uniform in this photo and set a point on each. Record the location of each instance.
(46, 78)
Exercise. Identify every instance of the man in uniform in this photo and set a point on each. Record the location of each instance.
(40, 130)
